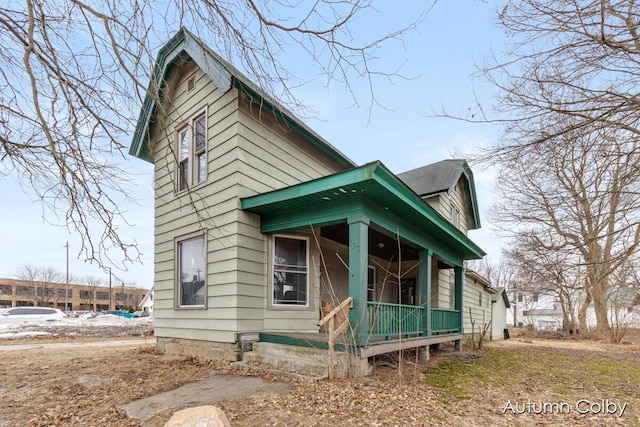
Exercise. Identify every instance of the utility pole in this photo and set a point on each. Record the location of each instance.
(109, 287)
(66, 290)
(515, 305)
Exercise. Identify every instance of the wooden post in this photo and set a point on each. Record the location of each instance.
(331, 343)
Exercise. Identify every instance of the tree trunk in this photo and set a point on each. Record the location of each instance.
(582, 313)
(600, 303)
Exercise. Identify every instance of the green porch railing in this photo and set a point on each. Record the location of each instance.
(444, 321)
(394, 319)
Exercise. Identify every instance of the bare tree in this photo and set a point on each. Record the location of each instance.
(73, 75)
(568, 103)
(544, 272)
(577, 194)
(501, 274)
(41, 280)
(570, 66)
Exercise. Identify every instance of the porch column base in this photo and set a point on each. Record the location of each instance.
(458, 345)
(423, 353)
(359, 367)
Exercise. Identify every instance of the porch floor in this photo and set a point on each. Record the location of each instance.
(374, 346)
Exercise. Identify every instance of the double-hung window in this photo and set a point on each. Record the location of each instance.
(192, 271)
(192, 153)
(455, 216)
(371, 283)
(290, 271)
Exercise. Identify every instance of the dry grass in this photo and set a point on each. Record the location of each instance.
(83, 387)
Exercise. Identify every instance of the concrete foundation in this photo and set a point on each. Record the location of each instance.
(202, 350)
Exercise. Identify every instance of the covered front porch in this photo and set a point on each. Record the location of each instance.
(385, 231)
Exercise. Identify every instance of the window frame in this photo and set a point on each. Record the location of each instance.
(188, 155)
(454, 216)
(178, 241)
(272, 271)
(371, 285)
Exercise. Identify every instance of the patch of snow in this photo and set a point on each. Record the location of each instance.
(107, 325)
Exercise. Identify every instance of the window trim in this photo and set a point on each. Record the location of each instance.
(371, 287)
(202, 234)
(272, 251)
(192, 179)
(454, 216)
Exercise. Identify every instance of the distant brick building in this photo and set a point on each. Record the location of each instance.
(19, 293)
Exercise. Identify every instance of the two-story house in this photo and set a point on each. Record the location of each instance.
(260, 222)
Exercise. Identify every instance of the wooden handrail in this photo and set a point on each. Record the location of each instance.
(335, 331)
(348, 302)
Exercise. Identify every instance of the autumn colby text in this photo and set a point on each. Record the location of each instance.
(582, 406)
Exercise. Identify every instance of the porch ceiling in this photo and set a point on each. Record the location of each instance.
(370, 190)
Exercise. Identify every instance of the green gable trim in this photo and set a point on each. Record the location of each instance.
(372, 191)
(472, 201)
(184, 46)
(181, 47)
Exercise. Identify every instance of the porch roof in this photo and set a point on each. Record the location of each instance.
(371, 191)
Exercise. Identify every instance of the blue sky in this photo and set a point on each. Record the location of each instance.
(403, 136)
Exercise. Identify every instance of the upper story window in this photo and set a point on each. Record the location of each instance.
(290, 271)
(192, 152)
(455, 217)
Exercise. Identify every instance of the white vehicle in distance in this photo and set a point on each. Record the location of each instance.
(26, 314)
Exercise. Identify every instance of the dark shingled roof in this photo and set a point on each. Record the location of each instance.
(434, 178)
(442, 177)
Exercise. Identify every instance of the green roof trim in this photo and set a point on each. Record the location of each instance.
(371, 190)
(184, 46)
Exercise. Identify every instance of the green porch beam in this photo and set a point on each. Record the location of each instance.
(424, 277)
(409, 232)
(298, 219)
(358, 260)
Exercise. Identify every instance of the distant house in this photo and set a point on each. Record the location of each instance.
(147, 302)
(261, 224)
(544, 319)
(499, 309)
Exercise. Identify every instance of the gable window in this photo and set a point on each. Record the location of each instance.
(455, 216)
(192, 153)
(191, 271)
(290, 271)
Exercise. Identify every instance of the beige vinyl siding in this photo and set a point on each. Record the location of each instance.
(248, 152)
(211, 206)
(445, 288)
(442, 203)
(481, 314)
(458, 201)
(271, 157)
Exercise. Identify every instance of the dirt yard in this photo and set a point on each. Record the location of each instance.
(82, 387)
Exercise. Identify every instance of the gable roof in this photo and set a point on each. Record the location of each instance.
(333, 198)
(501, 293)
(184, 46)
(442, 177)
